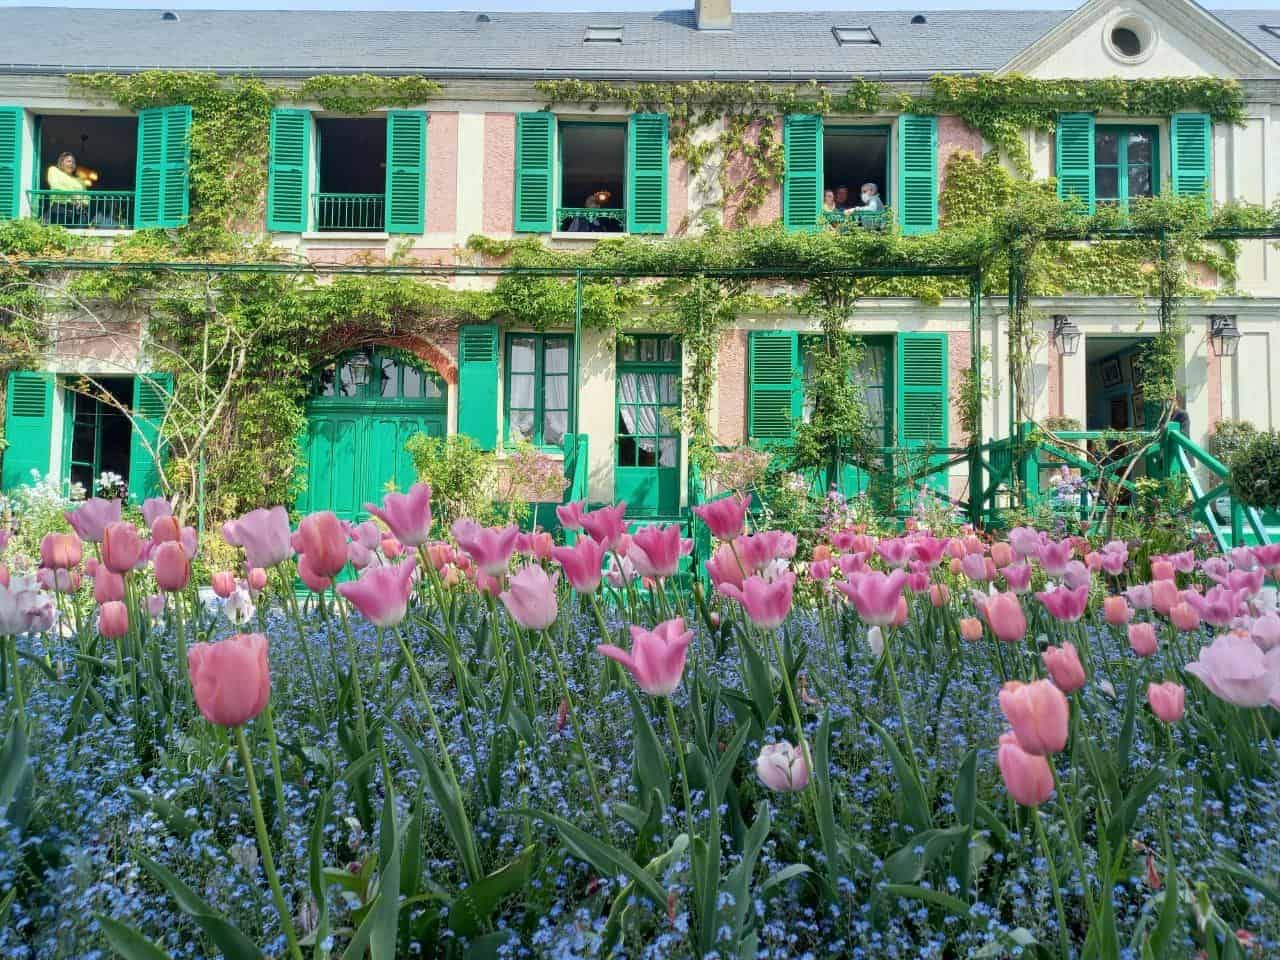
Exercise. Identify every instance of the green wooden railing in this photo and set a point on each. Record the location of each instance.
(586, 219)
(1186, 456)
(354, 212)
(84, 209)
(576, 472)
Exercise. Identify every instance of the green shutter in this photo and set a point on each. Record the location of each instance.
(1073, 157)
(647, 173)
(151, 392)
(288, 173)
(164, 138)
(774, 392)
(802, 180)
(478, 383)
(535, 171)
(10, 161)
(406, 171)
(921, 394)
(28, 427)
(1191, 136)
(917, 199)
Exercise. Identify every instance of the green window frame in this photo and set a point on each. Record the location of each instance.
(651, 433)
(877, 392)
(538, 389)
(566, 211)
(1119, 158)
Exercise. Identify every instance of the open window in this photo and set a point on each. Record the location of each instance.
(352, 174)
(854, 158)
(98, 437)
(593, 178)
(85, 171)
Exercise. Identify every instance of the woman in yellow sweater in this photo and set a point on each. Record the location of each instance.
(70, 204)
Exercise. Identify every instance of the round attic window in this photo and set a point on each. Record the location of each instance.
(1130, 38)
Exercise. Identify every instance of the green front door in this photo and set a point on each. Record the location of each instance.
(363, 409)
(647, 444)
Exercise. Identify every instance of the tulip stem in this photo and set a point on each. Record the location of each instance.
(426, 702)
(897, 696)
(1053, 880)
(264, 847)
(684, 773)
(275, 763)
(354, 666)
(577, 734)
(291, 602)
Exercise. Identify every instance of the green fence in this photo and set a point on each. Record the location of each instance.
(84, 209)
(355, 212)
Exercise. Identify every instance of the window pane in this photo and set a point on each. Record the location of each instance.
(1106, 147)
(522, 354)
(326, 381)
(554, 425)
(669, 389)
(432, 388)
(1139, 146)
(555, 394)
(522, 390)
(669, 350)
(1107, 183)
(667, 453)
(556, 357)
(648, 350)
(520, 425)
(387, 374)
(627, 351)
(412, 382)
(348, 388)
(1140, 181)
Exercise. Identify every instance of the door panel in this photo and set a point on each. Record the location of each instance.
(647, 445)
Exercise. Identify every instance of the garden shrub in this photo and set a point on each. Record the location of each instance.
(461, 475)
(1255, 472)
(1228, 436)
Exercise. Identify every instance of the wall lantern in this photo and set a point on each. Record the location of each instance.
(1066, 335)
(359, 365)
(1224, 335)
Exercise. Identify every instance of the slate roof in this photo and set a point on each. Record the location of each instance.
(662, 45)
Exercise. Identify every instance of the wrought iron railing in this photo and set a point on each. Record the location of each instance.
(353, 212)
(867, 219)
(591, 219)
(84, 209)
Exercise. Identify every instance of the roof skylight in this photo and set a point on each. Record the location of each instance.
(846, 36)
(602, 35)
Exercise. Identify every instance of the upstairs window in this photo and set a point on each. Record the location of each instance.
(85, 171)
(1125, 163)
(352, 174)
(855, 165)
(593, 177)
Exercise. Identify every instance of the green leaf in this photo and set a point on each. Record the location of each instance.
(226, 936)
(965, 796)
(909, 864)
(623, 901)
(13, 762)
(738, 884)
(1161, 939)
(1124, 815)
(728, 761)
(385, 915)
(1124, 747)
(913, 807)
(128, 942)
(609, 860)
(651, 768)
(1251, 880)
(759, 681)
(474, 907)
(168, 811)
(315, 874)
(936, 897)
(825, 801)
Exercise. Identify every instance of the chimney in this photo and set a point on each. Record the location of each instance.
(714, 14)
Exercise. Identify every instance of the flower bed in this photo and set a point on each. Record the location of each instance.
(925, 744)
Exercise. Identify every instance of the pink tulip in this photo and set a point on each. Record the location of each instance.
(939, 595)
(583, 564)
(231, 678)
(1218, 607)
(264, 535)
(1265, 631)
(656, 550)
(322, 538)
(1017, 577)
(530, 598)
(487, 585)
(1184, 562)
(1064, 667)
(1248, 582)
(724, 566)
(1161, 570)
(1093, 561)
(1167, 700)
(974, 566)
(766, 603)
(759, 550)
(153, 508)
(166, 529)
(1065, 604)
(821, 570)
(1001, 554)
(955, 548)
(382, 593)
(537, 544)
(851, 563)
(1039, 714)
(656, 660)
(107, 586)
(1142, 639)
(1164, 594)
(60, 551)
(113, 619)
(1139, 596)
(875, 595)
(1026, 775)
(1184, 617)
(1237, 671)
(917, 580)
(782, 767)
(1115, 610)
(1025, 542)
(1114, 562)
(606, 525)
(895, 552)
(1004, 615)
(90, 519)
(1054, 556)
(1076, 575)
(489, 547)
(257, 579)
(391, 547)
(121, 547)
(928, 550)
(725, 518)
(315, 582)
(156, 605)
(58, 581)
(171, 567)
(407, 515)
(570, 514)
(971, 629)
(224, 583)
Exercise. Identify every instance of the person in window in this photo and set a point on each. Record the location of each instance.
(871, 202)
(842, 198)
(71, 204)
(831, 214)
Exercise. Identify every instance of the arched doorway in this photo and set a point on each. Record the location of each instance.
(363, 407)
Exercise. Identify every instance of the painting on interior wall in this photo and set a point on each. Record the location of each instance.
(1119, 413)
(1139, 410)
(1112, 375)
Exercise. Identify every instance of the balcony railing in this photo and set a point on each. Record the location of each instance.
(867, 219)
(84, 209)
(591, 219)
(354, 212)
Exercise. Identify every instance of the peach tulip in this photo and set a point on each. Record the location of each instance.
(1039, 714)
(231, 678)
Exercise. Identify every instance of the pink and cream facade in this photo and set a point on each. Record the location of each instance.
(487, 157)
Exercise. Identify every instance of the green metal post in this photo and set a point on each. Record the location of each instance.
(976, 496)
